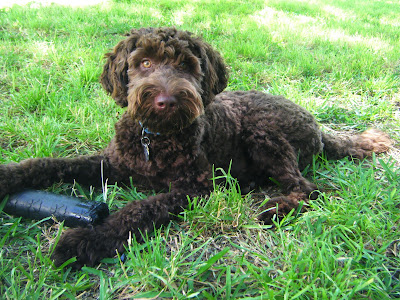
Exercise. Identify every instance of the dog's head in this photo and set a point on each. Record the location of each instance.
(165, 76)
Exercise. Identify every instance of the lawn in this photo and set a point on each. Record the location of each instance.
(338, 59)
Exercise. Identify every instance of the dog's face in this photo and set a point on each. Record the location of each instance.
(164, 76)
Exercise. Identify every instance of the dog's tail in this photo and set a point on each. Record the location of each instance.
(357, 146)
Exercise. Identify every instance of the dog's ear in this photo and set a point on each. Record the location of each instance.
(215, 71)
(115, 71)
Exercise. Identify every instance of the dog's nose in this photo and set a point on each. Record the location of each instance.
(165, 102)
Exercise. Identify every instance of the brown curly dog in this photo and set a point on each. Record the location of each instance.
(178, 124)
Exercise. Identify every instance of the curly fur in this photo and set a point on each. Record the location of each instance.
(171, 84)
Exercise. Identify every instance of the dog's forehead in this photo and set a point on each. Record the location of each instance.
(164, 45)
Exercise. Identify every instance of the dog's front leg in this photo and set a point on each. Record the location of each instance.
(90, 245)
(43, 172)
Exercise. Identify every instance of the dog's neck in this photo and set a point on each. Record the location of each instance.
(145, 140)
(145, 130)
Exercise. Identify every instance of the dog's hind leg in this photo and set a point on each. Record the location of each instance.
(275, 158)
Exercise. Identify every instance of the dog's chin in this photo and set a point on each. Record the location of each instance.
(167, 129)
(165, 124)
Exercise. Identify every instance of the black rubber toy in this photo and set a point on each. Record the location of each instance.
(73, 211)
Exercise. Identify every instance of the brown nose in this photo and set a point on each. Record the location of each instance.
(165, 102)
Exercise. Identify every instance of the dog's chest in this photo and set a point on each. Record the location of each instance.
(153, 156)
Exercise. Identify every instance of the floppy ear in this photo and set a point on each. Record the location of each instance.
(115, 71)
(214, 69)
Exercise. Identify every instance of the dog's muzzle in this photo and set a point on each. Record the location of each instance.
(165, 102)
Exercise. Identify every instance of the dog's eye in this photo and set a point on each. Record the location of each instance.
(182, 65)
(146, 63)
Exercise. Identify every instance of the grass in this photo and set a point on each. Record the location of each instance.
(339, 59)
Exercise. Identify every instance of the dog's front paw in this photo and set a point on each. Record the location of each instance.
(4, 181)
(82, 243)
(12, 179)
